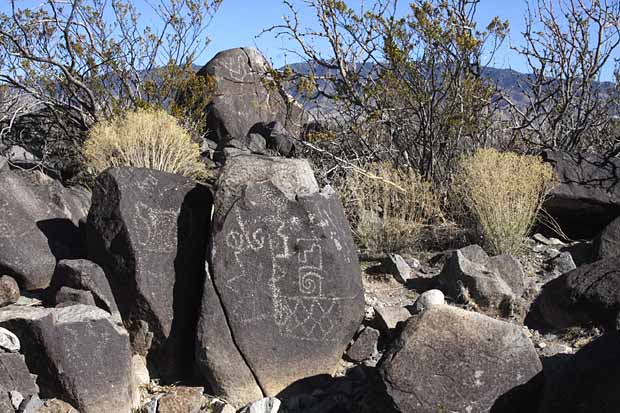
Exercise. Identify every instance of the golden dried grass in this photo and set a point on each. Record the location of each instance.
(144, 138)
(504, 192)
(390, 208)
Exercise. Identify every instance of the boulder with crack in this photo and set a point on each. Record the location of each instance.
(284, 270)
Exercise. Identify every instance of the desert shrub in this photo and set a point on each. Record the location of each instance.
(389, 207)
(504, 192)
(143, 138)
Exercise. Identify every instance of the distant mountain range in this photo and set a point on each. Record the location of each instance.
(510, 82)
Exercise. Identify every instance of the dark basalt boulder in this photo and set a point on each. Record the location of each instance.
(585, 382)
(590, 293)
(285, 268)
(147, 229)
(79, 354)
(217, 358)
(607, 244)
(14, 375)
(587, 197)
(86, 275)
(489, 281)
(449, 359)
(244, 97)
(39, 225)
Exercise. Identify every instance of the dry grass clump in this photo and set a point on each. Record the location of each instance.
(504, 193)
(144, 138)
(390, 208)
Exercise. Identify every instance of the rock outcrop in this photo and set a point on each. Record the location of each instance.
(587, 381)
(244, 97)
(39, 225)
(489, 281)
(587, 197)
(88, 276)
(79, 354)
(147, 229)
(285, 269)
(591, 293)
(452, 360)
(607, 243)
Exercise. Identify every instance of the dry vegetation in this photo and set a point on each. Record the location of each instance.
(390, 208)
(144, 138)
(504, 193)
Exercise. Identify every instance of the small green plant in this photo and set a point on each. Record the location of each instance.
(504, 193)
(143, 138)
(389, 207)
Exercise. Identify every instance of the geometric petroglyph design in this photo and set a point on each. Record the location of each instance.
(157, 229)
(309, 318)
(310, 260)
(280, 277)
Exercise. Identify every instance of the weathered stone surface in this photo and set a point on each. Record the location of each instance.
(71, 296)
(78, 352)
(147, 230)
(265, 405)
(608, 241)
(182, 400)
(591, 293)
(14, 375)
(364, 346)
(140, 372)
(9, 291)
(399, 268)
(456, 361)
(388, 318)
(243, 98)
(285, 266)
(585, 382)
(488, 280)
(35, 405)
(277, 138)
(39, 224)
(217, 357)
(86, 275)
(587, 197)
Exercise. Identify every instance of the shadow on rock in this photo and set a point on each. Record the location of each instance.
(361, 390)
(523, 398)
(192, 233)
(64, 238)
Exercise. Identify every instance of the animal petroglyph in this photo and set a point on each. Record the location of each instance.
(159, 229)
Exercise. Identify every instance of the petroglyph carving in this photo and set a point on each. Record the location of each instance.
(158, 229)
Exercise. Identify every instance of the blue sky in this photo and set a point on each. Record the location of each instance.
(238, 22)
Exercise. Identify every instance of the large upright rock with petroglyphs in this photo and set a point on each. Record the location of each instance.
(147, 229)
(243, 96)
(39, 224)
(285, 268)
